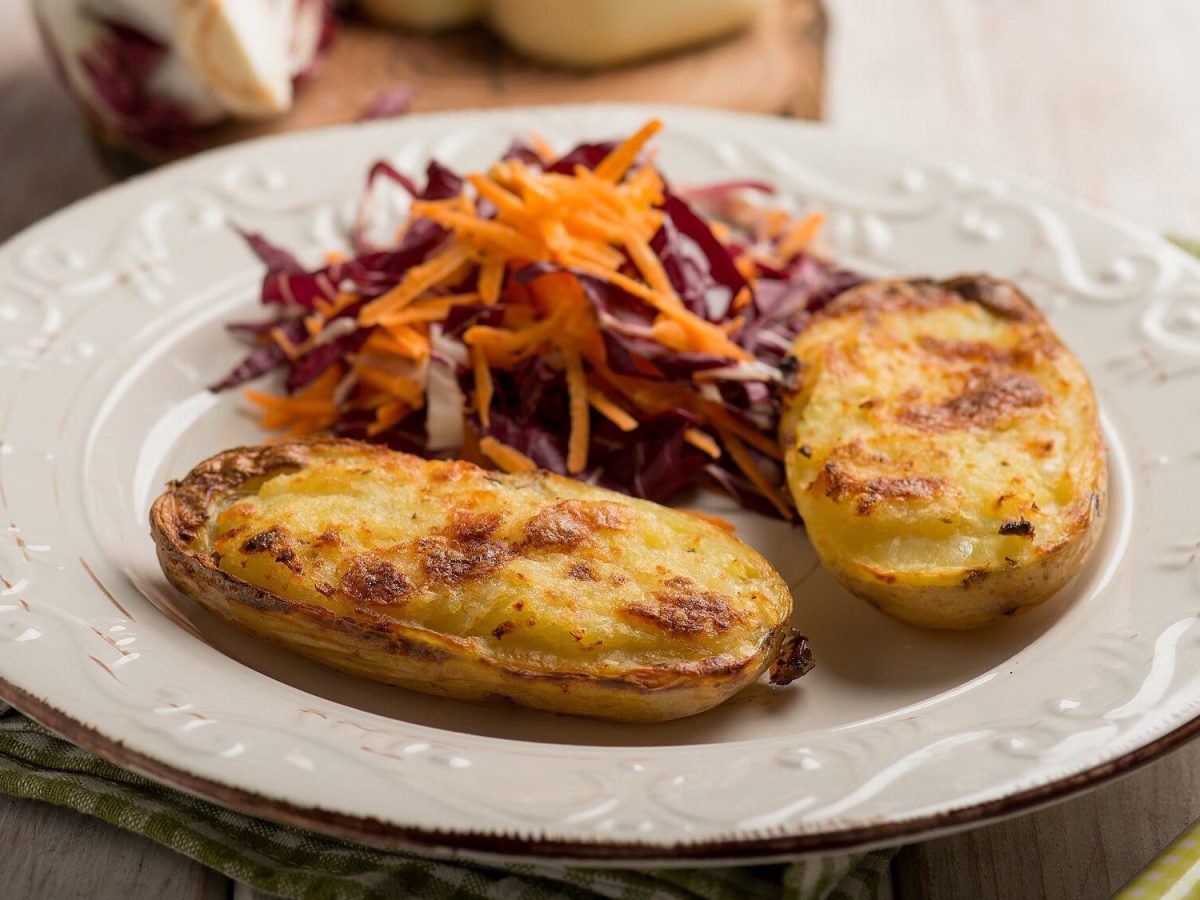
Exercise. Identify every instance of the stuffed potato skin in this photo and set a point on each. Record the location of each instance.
(449, 579)
(944, 449)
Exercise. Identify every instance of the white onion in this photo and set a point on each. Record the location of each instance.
(749, 370)
(335, 329)
(444, 401)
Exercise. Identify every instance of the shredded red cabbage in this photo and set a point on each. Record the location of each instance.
(119, 66)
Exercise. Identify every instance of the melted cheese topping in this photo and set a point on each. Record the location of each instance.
(933, 432)
(534, 567)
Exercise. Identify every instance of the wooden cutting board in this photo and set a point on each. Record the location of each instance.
(773, 66)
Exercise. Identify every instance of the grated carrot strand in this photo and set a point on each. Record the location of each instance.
(483, 385)
(702, 441)
(746, 463)
(507, 459)
(614, 166)
(800, 236)
(577, 444)
(611, 411)
(491, 280)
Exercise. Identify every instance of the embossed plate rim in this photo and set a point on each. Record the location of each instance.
(501, 847)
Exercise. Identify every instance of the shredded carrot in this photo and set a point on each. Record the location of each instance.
(746, 266)
(483, 385)
(702, 440)
(399, 386)
(504, 200)
(290, 350)
(645, 188)
(564, 244)
(611, 411)
(589, 223)
(418, 280)
(733, 326)
(495, 235)
(671, 334)
(330, 309)
(307, 411)
(433, 309)
(577, 445)
(387, 415)
(580, 225)
(614, 166)
(740, 300)
(507, 348)
(710, 337)
(399, 340)
(725, 422)
(773, 222)
(723, 524)
(631, 285)
(704, 336)
(507, 459)
(368, 399)
(800, 236)
(650, 266)
(541, 147)
(491, 280)
(535, 190)
(746, 463)
(651, 396)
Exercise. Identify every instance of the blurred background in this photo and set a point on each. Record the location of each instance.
(1094, 96)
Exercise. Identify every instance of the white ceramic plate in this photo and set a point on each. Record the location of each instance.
(110, 326)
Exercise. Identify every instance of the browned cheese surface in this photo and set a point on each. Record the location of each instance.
(941, 431)
(536, 569)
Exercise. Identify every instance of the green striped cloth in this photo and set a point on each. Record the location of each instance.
(36, 764)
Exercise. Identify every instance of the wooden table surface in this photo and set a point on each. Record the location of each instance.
(1095, 96)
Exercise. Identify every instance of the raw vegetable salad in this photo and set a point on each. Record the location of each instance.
(573, 313)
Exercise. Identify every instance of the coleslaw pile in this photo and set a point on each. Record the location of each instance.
(572, 313)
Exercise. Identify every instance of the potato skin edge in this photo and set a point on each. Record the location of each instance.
(972, 598)
(411, 657)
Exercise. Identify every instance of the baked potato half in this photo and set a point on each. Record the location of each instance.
(449, 579)
(944, 450)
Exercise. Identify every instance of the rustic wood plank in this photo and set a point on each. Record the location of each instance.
(1097, 97)
(1086, 847)
(59, 853)
(774, 65)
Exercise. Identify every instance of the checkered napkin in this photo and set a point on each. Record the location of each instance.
(36, 764)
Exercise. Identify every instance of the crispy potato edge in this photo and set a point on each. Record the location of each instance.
(972, 598)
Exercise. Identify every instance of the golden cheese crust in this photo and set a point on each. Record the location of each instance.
(450, 579)
(944, 449)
